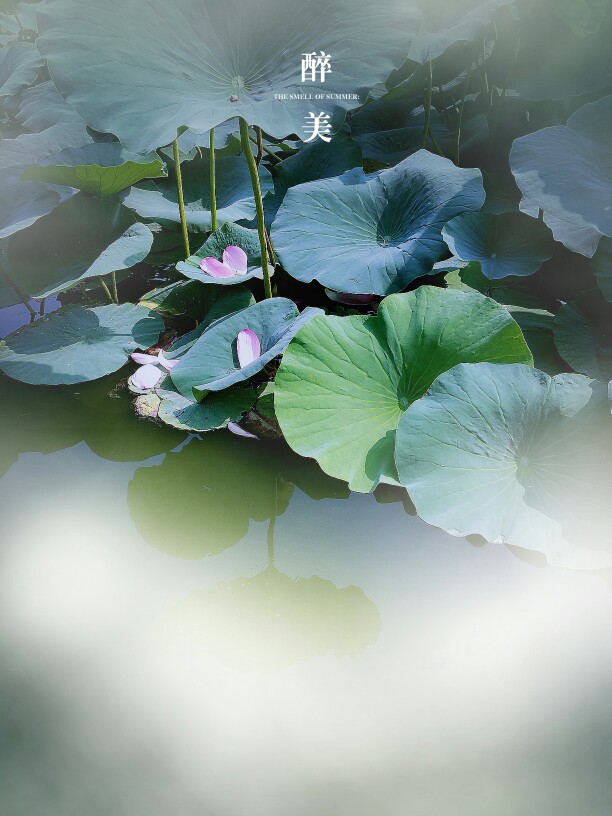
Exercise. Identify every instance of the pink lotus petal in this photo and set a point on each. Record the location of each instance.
(236, 259)
(144, 359)
(147, 376)
(165, 362)
(236, 429)
(248, 347)
(215, 268)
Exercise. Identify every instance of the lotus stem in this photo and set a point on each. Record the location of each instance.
(41, 310)
(261, 227)
(19, 291)
(427, 100)
(114, 285)
(181, 200)
(465, 90)
(106, 290)
(213, 182)
(259, 156)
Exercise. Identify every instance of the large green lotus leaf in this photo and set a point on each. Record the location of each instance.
(158, 201)
(316, 160)
(211, 364)
(552, 166)
(23, 202)
(508, 453)
(602, 267)
(227, 235)
(82, 238)
(42, 106)
(214, 61)
(102, 168)
(76, 344)
(583, 335)
(507, 245)
(344, 382)
(271, 621)
(19, 66)
(373, 234)
(444, 24)
(180, 298)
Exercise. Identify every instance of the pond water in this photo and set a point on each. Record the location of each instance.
(212, 626)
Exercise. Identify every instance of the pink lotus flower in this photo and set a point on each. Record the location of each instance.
(234, 263)
(149, 375)
(248, 347)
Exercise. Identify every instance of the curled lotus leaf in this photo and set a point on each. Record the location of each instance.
(374, 234)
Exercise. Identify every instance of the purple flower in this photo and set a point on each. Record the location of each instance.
(234, 263)
(248, 347)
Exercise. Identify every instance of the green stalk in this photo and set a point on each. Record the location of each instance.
(114, 285)
(427, 100)
(106, 289)
(181, 200)
(259, 156)
(261, 228)
(213, 182)
(19, 291)
(465, 90)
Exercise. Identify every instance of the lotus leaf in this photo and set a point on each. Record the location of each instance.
(602, 267)
(211, 364)
(75, 344)
(507, 245)
(373, 234)
(19, 66)
(227, 235)
(203, 70)
(583, 335)
(344, 382)
(82, 238)
(566, 170)
(102, 168)
(158, 201)
(509, 453)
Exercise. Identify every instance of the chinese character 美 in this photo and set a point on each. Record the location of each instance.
(311, 63)
(318, 125)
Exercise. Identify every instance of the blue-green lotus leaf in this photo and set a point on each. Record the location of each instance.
(344, 382)
(551, 167)
(214, 61)
(211, 364)
(509, 453)
(82, 238)
(158, 201)
(53, 126)
(76, 344)
(227, 235)
(316, 160)
(102, 168)
(23, 202)
(601, 265)
(19, 66)
(374, 234)
(507, 245)
(583, 335)
(198, 417)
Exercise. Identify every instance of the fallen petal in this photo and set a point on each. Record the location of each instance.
(165, 362)
(248, 347)
(236, 429)
(144, 359)
(236, 259)
(147, 376)
(215, 268)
